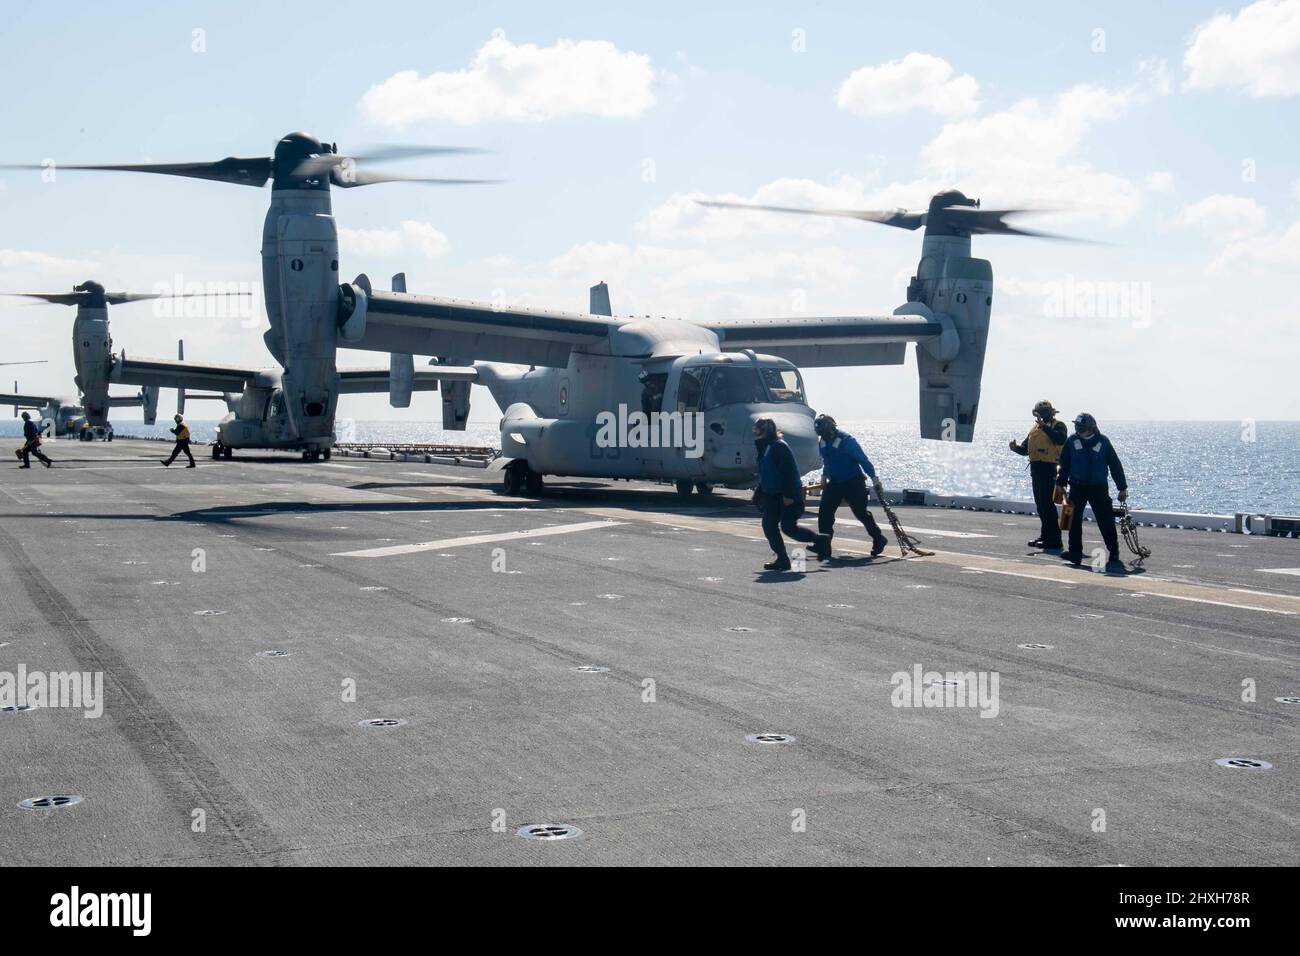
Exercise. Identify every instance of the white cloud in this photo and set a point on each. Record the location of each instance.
(1160, 181)
(520, 82)
(1268, 251)
(1029, 154)
(1258, 50)
(1232, 217)
(23, 261)
(409, 236)
(919, 81)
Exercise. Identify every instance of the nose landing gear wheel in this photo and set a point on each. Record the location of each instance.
(216, 450)
(512, 480)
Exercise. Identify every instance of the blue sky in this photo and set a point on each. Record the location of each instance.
(1169, 135)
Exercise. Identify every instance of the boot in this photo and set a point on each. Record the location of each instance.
(780, 564)
(822, 547)
(878, 544)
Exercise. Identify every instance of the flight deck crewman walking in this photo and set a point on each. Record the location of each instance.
(32, 443)
(843, 464)
(182, 433)
(1086, 457)
(1043, 447)
(782, 496)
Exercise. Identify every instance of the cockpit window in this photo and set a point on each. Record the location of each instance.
(732, 385)
(783, 385)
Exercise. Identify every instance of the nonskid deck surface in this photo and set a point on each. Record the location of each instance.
(467, 615)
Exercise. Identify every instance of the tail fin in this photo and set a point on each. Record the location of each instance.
(180, 392)
(149, 400)
(401, 366)
(600, 300)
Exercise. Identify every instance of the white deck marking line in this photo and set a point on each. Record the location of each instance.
(1199, 600)
(950, 534)
(1295, 571)
(474, 539)
(333, 511)
(431, 474)
(1020, 574)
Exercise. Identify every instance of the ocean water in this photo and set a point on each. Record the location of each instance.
(1200, 467)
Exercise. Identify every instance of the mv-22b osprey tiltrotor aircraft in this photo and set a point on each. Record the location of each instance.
(92, 351)
(255, 398)
(583, 368)
(293, 406)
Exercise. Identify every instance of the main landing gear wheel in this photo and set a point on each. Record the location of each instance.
(704, 488)
(227, 453)
(519, 478)
(216, 450)
(684, 488)
(326, 454)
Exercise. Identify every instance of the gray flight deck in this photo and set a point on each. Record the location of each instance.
(474, 639)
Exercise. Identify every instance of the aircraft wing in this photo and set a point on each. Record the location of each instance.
(820, 342)
(171, 373)
(353, 381)
(430, 325)
(26, 401)
(125, 401)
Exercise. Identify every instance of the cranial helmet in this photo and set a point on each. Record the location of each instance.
(176, 417)
(824, 425)
(1085, 422)
(26, 416)
(1044, 408)
(767, 426)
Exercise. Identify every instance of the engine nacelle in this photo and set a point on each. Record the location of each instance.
(950, 383)
(353, 302)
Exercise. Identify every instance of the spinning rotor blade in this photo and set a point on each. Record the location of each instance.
(112, 298)
(902, 218)
(955, 219)
(28, 362)
(254, 171)
(347, 178)
(58, 298)
(989, 222)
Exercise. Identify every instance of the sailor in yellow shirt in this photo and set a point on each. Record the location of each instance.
(1042, 446)
(182, 433)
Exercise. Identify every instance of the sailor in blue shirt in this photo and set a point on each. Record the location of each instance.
(780, 490)
(843, 465)
(1087, 459)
